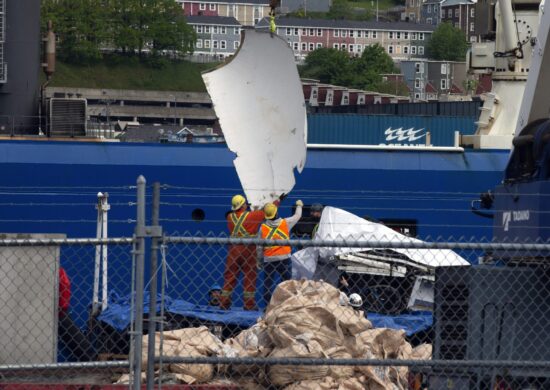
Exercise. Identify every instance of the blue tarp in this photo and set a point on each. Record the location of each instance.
(117, 315)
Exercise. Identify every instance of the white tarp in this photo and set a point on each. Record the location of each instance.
(338, 224)
(259, 101)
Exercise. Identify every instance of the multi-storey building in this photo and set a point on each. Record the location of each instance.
(217, 36)
(412, 11)
(247, 12)
(428, 80)
(461, 13)
(401, 40)
(431, 12)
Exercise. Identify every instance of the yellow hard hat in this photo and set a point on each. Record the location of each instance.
(237, 202)
(270, 210)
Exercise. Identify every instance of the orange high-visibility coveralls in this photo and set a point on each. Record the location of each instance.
(241, 224)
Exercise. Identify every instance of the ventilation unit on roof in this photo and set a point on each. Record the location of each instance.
(67, 117)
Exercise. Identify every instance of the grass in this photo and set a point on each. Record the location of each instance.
(371, 5)
(130, 73)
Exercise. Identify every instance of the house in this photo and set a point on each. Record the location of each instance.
(431, 12)
(401, 40)
(412, 11)
(429, 80)
(247, 12)
(288, 6)
(218, 37)
(461, 14)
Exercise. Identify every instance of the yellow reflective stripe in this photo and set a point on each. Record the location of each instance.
(238, 229)
(249, 293)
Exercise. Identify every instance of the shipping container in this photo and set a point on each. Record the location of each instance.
(470, 108)
(350, 129)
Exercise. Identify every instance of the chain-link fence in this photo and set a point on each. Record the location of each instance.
(356, 305)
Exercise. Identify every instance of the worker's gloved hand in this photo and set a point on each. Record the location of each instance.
(282, 197)
(259, 263)
(299, 203)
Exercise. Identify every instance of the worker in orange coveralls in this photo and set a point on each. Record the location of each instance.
(242, 224)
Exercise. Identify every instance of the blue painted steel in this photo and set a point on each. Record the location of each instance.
(51, 187)
(386, 130)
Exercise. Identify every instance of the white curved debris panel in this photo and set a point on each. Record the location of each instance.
(259, 101)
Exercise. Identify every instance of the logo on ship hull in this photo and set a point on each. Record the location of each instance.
(401, 135)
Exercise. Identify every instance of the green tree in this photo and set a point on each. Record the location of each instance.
(340, 9)
(368, 68)
(328, 66)
(448, 43)
(81, 26)
(333, 66)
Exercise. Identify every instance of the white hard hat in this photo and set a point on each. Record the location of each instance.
(355, 301)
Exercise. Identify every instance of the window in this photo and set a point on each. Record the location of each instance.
(223, 45)
(236, 31)
(420, 36)
(236, 45)
(311, 32)
(417, 96)
(214, 44)
(421, 50)
(202, 6)
(473, 39)
(345, 99)
(304, 46)
(359, 48)
(442, 13)
(390, 49)
(336, 46)
(288, 31)
(296, 31)
(405, 50)
(319, 32)
(303, 32)
(336, 33)
(429, 20)
(443, 83)
(366, 33)
(398, 49)
(319, 45)
(344, 33)
(207, 43)
(412, 17)
(343, 47)
(456, 12)
(450, 13)
(417, 83)
(429, 8)
(472, 27)
(223, 30)
(199, 44)
(214, 29)
(413, 49)
(390, 35)
(199, 29)
(352, 33)
(351, 48)
(212, 6)
(472, 12)
(405, 35)
(443, 68)
(233, 10)
(374, 34)
(417, 67)
(398, 35)
(207, 29)
(296, 46)
(413, 36)
(384, 78)
(311, 46)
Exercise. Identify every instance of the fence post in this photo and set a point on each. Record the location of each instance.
(140, 251)
(153, 290)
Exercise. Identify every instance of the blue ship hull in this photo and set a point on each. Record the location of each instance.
(51, 187)
(41, 179)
